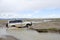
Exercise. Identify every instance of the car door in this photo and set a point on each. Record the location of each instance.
(23, 24)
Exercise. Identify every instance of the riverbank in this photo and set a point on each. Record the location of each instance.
(51, 30)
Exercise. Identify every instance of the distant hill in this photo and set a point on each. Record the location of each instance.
(11, 18)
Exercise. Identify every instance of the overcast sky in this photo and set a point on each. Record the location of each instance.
(29, 8)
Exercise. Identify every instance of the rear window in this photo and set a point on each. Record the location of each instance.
(15, 21)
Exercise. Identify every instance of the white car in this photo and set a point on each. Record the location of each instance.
(18, 23)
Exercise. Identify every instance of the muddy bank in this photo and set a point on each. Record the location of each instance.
(7, 37)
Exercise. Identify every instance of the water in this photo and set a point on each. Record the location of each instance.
(49, 36)
(26, 34)
(3, 31)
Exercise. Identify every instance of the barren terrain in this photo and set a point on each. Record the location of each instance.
(28, 34)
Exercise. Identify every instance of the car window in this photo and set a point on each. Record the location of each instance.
(15, 21)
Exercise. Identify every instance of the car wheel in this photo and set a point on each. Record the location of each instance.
(27, 25)
(13, 26)
(7, 25)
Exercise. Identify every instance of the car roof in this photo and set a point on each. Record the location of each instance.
(13, 20)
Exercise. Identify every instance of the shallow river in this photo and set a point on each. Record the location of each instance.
(26, 34)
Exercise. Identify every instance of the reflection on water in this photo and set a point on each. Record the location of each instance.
(26, 34)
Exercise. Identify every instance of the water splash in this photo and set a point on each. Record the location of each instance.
(3, 31)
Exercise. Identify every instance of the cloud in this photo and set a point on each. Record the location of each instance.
(16, 5)
(11, 7)
(14, 15)
(53, 16)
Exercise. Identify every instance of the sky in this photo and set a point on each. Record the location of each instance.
(29, 8)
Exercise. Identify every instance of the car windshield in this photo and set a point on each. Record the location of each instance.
(15, 21)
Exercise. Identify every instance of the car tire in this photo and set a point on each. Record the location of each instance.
(13, 26)
(7, 25)
(27, 25)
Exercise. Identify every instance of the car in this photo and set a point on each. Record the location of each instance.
(18, 23)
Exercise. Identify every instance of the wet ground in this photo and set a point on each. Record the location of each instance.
(26, 34)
